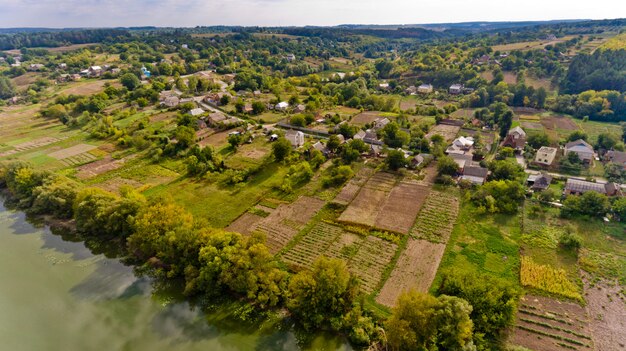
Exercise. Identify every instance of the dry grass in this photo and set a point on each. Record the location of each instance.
(72, 151)
(548, 279)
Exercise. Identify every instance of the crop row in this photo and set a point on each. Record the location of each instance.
(436, 219)
(548, 279)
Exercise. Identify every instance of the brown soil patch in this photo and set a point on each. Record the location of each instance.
(72, 151)
(364, 118)
(463, 113)
(216, 140)
(160, 117)
(446, 131)
(563, 123)
(364, 208)
(548, 324)
(532, 125)
(398, 213)
(407, 104)
(415, 269)
(88, 88)
(100, 167)
(607, 311)
(349, 191)
(287, 220)
(25, 79)
(244, 223)
(430, 174)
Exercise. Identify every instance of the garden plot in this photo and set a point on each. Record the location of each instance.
(364, 209)
(245, 223)
(79, 159)
(287, 220)
(100, 167)
(436, 219)
(72, 151)
(29, 145)
(446, 131)
(349, 191)
(559, 122)
(364, 118)
(398, 212)
(607, 311)
(550, 325)
(366, 257)
(415, 269)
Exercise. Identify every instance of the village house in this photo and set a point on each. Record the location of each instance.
(516, 139)
(461, 145)
(419, 160)
(214, 99)
(425, 89)
(475, 174)
(215, 118)
(376, 150)
(545, 156)
(247, 108)
(295, 137)
(360, 135)
(299, 108)
(539, 182)
(579, 187)
(171, 101)
(196, 112)
(281, 106)
(35, 67)
(319, 146)
(616, 157)
(412, 90)
(580, 148)
(462, 161)
(381, 122)
(93, 71)
(456, 89)
(290, 57)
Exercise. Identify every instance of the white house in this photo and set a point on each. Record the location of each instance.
(282, 106)
(296, 138)
(425, 89)
(196, 112)
(456, 89)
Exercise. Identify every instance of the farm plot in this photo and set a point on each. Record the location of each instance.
(364, 209)
(607, 311)
(84, 88)
(366, 257)
(100, 167)
(29, 145)
(436, 219)
(463, 113)
(349, 191)
(398, 212)
(72, 151)
(287, 220)
(364, 118)
(532, 125)
(446, 131)
(551, 325)
(559, 122)
(416, 269)
(244, 223)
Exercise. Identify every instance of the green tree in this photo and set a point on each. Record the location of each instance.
(281, 149)
(538, 140)
(606, 141)
(447, 166)
(130, 81)
(7, 89)
(395, 160)
(493, 301)
(322, 296)
(234, 140)
(424, 322)
(393, 136)
(577, 135)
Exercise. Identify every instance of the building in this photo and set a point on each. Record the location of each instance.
(35, 67)
(95, 71)
(456, 89)
(579, 187)
(539, 182)
(216, 118)
(412, 90)
(462, 161)
(171, 101)
(516, 139)
(545, 156)
(290, 57)
(376, 150)
(196, 112)
(425, 89)
(319, 146)
(360, 135)
(420, 160)
(460, 145)
(616, 157)
(282, 106)
(475, 174)
(381, 122)
(383, 86)
(580, 148)
(295, 137)
(299, 108)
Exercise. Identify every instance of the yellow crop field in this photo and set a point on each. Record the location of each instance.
(548, 279)
(616, 43)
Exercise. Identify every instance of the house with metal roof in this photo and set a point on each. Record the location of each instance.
(581, 148)
(579, 187)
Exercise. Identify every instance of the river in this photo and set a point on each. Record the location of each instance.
(55, 295)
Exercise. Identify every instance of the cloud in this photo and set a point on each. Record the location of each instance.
(189, 13)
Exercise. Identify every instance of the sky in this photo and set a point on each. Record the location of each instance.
(191, 13)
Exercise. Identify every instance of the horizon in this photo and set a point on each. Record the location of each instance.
(62, 14)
